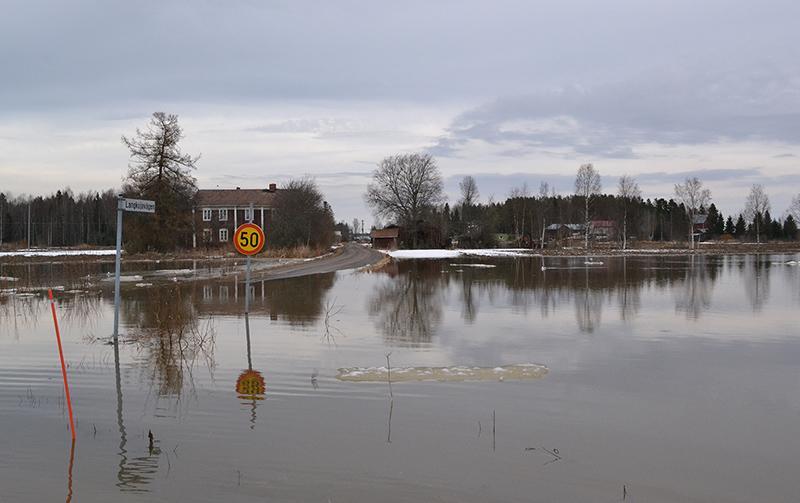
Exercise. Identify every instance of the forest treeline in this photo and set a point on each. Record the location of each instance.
(60, 219)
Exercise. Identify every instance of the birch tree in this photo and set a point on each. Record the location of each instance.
(755, 207)
(794, 209)
(693, 196)
(587, 185)
(628, 191)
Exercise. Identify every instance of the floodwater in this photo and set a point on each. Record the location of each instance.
(662, 378)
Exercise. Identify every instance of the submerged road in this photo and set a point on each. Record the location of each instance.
(350, 256)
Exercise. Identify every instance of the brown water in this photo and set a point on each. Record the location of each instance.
(676, 377)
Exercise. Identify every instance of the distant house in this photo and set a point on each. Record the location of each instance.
(218, 212)
(603, 230)
(563, 231)
(387, 238)
(699, 227)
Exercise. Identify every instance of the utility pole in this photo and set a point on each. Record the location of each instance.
(2, 200)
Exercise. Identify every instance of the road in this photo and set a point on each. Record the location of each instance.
(350, 256)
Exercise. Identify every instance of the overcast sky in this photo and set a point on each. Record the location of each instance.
(507, 91)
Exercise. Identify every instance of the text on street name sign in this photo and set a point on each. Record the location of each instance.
(137, 205)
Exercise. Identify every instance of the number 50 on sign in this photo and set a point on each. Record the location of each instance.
(249, 239)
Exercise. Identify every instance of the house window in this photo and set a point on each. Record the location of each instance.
(206, 214)
(223, 235)
(247, 216)
(206, 235)
(223, 214)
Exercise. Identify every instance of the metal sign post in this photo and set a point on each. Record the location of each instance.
(136, 206)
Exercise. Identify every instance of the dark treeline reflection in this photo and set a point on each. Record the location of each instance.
(408, 307)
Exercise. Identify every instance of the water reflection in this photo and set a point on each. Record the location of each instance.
(588, 305)
(756, 284)
(134, 474)
(297, 301)
(408, 308)
(250, 385)
(169, 336)
(694, 288)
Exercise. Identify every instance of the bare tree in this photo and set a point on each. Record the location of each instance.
(469, 191)
(587, 185)
(355, 226)
(517, 198)
(302, 216)
(160, 171)
(755, 207)
(794, 209)
(404, 187)
(693, 197)
(628, 191)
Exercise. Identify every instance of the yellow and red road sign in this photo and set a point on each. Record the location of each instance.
(249, 239)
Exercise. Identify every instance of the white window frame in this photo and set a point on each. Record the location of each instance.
(247, 216)
(207, 235)
(206, 214)
(223, 235)
(223, 214)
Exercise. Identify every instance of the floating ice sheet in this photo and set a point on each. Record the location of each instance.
(520, 371)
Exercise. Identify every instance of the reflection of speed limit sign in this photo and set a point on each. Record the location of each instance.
(249, 239)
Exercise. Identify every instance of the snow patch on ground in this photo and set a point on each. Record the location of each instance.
(441, 254)
(8, 278)
(479, 266)
(55, 253)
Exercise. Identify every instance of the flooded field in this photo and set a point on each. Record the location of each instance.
(658, 379)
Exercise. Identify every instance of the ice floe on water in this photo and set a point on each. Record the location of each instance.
(54, 253)
(125, 279)
(520, 371)
(440, 254)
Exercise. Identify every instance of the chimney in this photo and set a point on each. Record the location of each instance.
(273, 187)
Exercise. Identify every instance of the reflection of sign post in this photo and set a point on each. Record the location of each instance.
(123, 205)
(251, 385)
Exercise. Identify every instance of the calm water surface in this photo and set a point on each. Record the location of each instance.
(677, 377)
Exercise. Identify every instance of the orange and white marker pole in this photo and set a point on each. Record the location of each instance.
(63, 366)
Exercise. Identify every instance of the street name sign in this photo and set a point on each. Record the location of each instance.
(137, 205)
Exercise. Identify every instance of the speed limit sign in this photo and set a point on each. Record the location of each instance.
(249, 239)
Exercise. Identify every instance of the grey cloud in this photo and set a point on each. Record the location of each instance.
(609, 120)
(58, 55)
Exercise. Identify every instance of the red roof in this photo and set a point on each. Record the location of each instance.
(391, 232)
